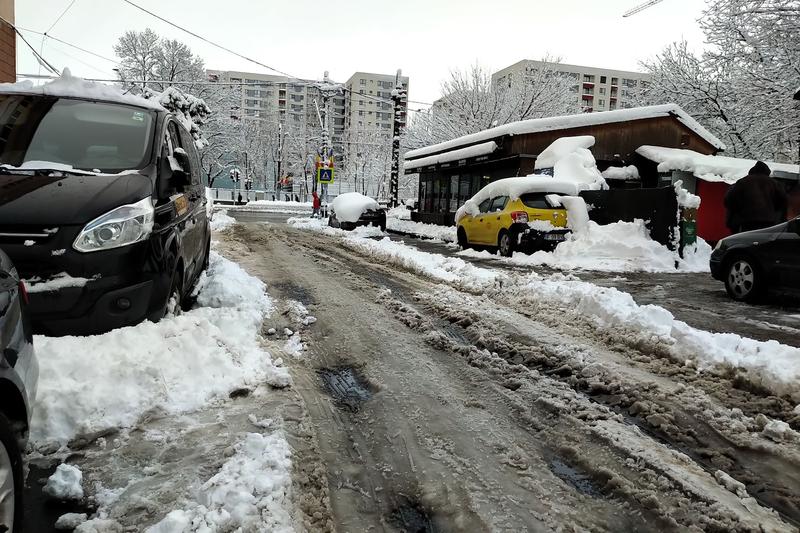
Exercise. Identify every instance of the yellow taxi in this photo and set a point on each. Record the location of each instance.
(530, 222)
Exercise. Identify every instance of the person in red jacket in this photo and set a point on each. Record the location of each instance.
(755, 201)
(315, 204)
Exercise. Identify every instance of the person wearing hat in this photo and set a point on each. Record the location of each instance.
(755, 201)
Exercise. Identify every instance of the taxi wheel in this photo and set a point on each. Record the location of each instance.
(462, 239)
(505, 243)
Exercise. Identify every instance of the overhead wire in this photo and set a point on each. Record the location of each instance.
(53, 25)
(70, 45)
(38, 56)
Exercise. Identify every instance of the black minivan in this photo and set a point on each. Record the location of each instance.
(102, 208)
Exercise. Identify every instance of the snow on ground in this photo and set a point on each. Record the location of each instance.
(222, 220)
(88, 384)
(618, 247)
(770, 364)
(251, 492)
(277, 206)
(429, 231)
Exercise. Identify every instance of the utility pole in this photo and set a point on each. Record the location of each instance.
(398, 97)
(278, 176)
(325, 160)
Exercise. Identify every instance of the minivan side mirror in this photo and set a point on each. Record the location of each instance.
(178, 165)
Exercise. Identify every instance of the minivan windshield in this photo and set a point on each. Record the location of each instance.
(47, 132)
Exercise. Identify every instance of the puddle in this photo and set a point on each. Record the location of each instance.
(295, 292)
(40, 511)
(346, 386)
(411, 518)
(582, 482)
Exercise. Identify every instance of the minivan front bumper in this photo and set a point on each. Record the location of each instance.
(74, 293)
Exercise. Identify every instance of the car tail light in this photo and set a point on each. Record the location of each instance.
(23, 292)
(519, 216)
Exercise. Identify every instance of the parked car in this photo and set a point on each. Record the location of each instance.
(515, 214)
(755, 262)
(102, 208)
(353, 209)
(19, 372)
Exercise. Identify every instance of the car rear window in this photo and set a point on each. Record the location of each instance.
(535, 200)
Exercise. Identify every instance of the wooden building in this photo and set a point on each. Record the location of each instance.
(452, 172)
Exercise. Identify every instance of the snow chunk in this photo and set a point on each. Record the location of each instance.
(29, 243)
(778, 431)
(58, 281)
(65, 483)
(221, 221)
(706, 167)
(251, 492)
(70, 521)
(621, 173)
(685, 198)
(351, 205)
(69, 86)
(92, 383)
(736, 487)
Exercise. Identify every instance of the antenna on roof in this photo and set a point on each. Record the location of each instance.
(641, 7)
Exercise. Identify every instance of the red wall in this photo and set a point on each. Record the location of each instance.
(8, 59)
(711, 215)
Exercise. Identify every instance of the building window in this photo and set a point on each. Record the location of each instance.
(601, 102)
(629, 82)
(361, 91)
(602, 90)
(614, 81)
(612, 106)
(588, 78)
(362, 81)
(603, 79)
(588, 90)
(360, 113)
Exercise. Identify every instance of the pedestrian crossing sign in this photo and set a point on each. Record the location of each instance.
(325, 175)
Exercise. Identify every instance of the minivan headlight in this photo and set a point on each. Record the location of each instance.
(127, 224)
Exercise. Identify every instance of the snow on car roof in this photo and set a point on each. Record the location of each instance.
(707, 167)
(351, 205)
(571, 121)
(69, 86)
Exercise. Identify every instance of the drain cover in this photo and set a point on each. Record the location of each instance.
(346, 386)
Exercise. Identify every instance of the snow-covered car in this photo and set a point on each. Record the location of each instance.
(755, 262)
(515, 214)
(19, 373)
(103, 208)
(354, 209)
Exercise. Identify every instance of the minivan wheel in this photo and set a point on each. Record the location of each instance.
(506, 244)
(743, 280)
(10, 479)
(174, 303)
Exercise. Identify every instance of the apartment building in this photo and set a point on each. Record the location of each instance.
(8, 43)
(369, 101)
(596, 89)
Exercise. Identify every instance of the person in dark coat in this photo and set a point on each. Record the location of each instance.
(755, 201)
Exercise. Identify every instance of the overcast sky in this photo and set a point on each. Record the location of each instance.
(426, 38)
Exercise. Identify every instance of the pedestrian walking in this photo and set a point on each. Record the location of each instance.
(756, 201)
(240, 199)
(315, 203)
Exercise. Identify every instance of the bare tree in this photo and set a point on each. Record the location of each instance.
(741, 88)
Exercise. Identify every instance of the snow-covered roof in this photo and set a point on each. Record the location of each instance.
(456, 155)
(571, 121)
(707, 167)
(69, 86)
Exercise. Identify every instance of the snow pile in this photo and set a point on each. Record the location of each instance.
(685, 198)
(571, 160)
(222, 220)
(65, 483)
(58, 281)
(621, 173)
(451, 269)
(69, 86)
(706, 167)
(88, 384)
(251, 492)
(428, 231)
(516, 187)
(351, 205)
(577, 211)
(401, 212)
